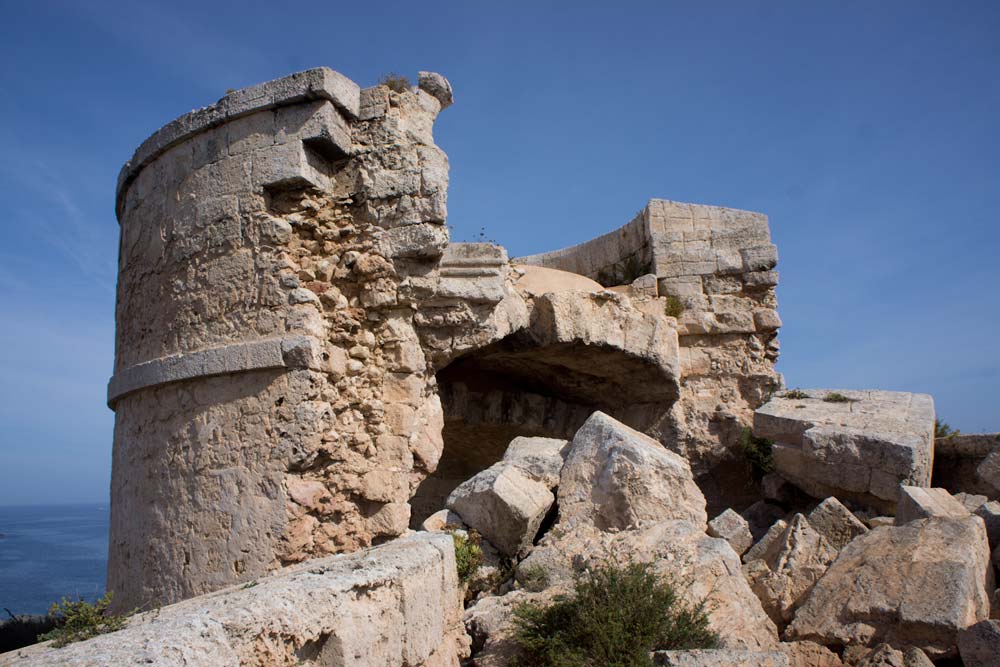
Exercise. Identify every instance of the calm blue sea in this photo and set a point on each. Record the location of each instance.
(48, 552)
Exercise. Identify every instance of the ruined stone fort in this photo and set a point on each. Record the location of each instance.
(311, 382)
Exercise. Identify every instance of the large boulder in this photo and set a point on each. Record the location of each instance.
(504, 504)
(617, 478)
(858, 445)
(912, 585)
(789, 569)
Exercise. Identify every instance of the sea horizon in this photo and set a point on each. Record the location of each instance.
(50, 551)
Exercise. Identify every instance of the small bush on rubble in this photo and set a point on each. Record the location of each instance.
(615, 617)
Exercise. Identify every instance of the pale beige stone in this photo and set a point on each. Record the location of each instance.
(734, 529)
(836, 523)
(917, 502)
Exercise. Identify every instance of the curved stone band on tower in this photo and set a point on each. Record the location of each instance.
(305, 365)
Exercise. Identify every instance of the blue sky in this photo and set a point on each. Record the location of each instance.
(869, 132)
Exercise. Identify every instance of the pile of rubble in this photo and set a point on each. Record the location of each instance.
(905, 579)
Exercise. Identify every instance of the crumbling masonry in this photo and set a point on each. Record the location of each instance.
(305, 365)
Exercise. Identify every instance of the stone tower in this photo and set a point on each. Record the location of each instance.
(304, 365)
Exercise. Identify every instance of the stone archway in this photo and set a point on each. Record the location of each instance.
(579, 353)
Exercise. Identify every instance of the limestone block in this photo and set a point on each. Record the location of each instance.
(734, 529)
(988, 471)
(616, 477)
(918, 584)
(990, 514)
(810, 654)
(979, 644)
(766, 542)
(443, 520)
(917, 502)
(789, 569)
(862, 448)
(397, 604)
(970, 501)
(885, 655)
(766, 320)
(539, 458)
(720, 658)
(836, 523)
(538, 280)
(504, 504)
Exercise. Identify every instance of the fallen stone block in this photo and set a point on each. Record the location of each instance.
(443, 520)
(396, 604)
(988, 471)
(734, 529)
(971, 501)
(858, 445)
(979, 644)
(758, 550)
(990, 514)
(917, 502)
(836, 523)
(911, 585)
(885, 655)
(539, 458)
(789, 570)
(720, 658)
(504, 505)
(617, 478)
(809, 654)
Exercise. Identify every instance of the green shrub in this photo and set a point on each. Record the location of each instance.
(534, 578)
(614, 618)
(796, 394)
(757, 452)
(468, 554)
(837, 397)
(395, 82)
(81, 620)
(674, 307)
(942, 430)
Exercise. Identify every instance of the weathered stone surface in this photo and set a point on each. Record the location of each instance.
(764, 544)
(618, 478)
(538, 280)
(777, 488)
(437, 86)
(809, 654)
(917, 502)
(443, 520)
(397, 604)
(734, 529)
(539, 458)
(911, 585)
(705, 567)
(720, 658)
(988, 472)
(504, 505)
(979, 644)
(971, 501)
(990, 514)
(862, 448)
(789, 569)
(836, 523)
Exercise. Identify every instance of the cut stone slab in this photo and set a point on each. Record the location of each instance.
(720, 658)
(734, 529)
(971, 501)
(790, 569)
(617, 478)
(539, 458)
(836, 523)
(504, 505)
(861, 449)
(911, 585)
(810, 654)
(917, 502)
(763, 546)
(396, 604)
(979, 644)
